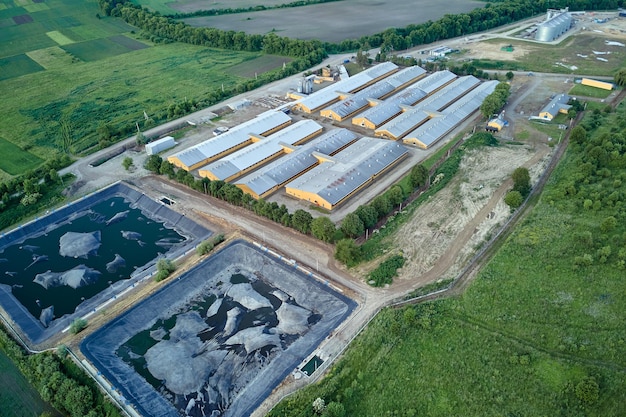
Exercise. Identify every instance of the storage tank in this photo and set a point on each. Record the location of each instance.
(554, 26)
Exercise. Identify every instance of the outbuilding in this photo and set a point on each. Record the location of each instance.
(160, 145)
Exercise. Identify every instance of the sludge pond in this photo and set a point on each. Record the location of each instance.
(65, 264)
(219, 339)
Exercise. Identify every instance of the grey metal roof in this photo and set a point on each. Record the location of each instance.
(391, 107)
(353, 167)
(296, 162)
(406, 75)
(449, 94)
(252, 155)
(234, 137)
(435, 81)
(359, 100)
(437, 127)
(559, 102)
(404, 123)
(330, 93)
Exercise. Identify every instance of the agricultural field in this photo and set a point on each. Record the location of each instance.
(189, 6)
(539, 332)
(17, 397)
(73, 72)
(335, 21)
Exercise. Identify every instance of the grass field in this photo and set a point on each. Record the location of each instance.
(548, 58)
(588, 91)
(17, 397)
(259, 65)
(17, 65)
(188, 6)
(15, 160)
(540, 332)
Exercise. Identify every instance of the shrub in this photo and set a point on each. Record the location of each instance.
(78, 325)
(386, 271)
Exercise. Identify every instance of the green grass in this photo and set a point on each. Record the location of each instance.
(16, 66)
(15, 160)
(17, 397)
(258, 65)
(521, 339)
(589, 91)
(95, 49)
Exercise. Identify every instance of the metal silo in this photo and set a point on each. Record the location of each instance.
(556, 24)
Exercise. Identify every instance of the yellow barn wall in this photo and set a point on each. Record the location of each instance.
(546, 115)
(364, 122)
(307, 196)
(598, 84)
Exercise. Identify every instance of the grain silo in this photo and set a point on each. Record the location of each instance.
(557, 23)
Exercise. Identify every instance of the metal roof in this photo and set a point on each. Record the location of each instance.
(352, 167)
(254, 154)
(450, 93)
(391, 107)
(434, 129)
(406, 75)
(404, 123)
(558, 103)
(359, 100)
(435, 81)
(296, 162)
(330, 93)
(237, 135)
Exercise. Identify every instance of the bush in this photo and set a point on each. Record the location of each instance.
(208, 245)
(514, 199)
(386, 271)
(164, 268)
(78, 325)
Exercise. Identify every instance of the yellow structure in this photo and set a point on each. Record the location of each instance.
(557, 105)
(598, 84)
(495, 125)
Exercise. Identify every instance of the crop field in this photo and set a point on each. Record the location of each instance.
(97, 49)
(17, 397)
(541, 331)
(16, 65)
(263, 63)
(189, 6)
(19, 161)
(336, 21)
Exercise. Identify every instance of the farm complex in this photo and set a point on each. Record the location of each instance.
(326, 165)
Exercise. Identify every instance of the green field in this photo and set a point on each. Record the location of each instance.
(17, 65)
(188, 6)
(17, 397)
(540, 332)
(589, 91)
(70, 67)
(16, 160)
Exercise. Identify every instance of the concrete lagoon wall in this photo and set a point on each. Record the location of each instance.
(67, 263)
(219, 339)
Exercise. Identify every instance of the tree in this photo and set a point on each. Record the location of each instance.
(382, 205)
(334, 409)
(347, 252)
(78, 325)
(588, 391)
(418, 176)
(323, 229)
(620, 77)
(396, 196)
(153, 163)
(509, 75)
(140, 139)
(127, 163)
(608, 224)
(367, 214)
(521, 181)
(164, 268)
(319, 405)
(578, 135)
(352, 225)
(514, 199)
(301, 221)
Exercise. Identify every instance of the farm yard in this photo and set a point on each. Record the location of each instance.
(334, 21)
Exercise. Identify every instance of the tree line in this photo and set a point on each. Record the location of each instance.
(258, 8)
(59, 381)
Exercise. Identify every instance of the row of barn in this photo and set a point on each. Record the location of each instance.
(327, 166)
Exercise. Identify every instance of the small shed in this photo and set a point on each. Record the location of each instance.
(160, 145)
(598, 84)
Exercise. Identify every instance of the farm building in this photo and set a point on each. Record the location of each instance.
(598, 84)
(160, 145)
(384, 111)
(557, 23)
(236, 138)
(341, 176)
(277, 173)
(437, 127)
(557, 105)
(496, 124)
(441, 51)
(340, 90)
(262, 151)
(357, 102)
(415, 116)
